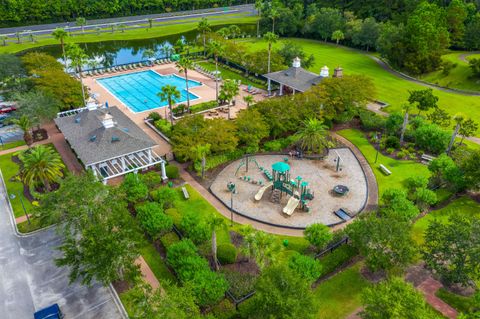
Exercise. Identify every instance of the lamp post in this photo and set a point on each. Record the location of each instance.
(378, 137)
(24, 210)
(232, 188)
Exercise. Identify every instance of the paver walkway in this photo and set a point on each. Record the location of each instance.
(147, 273)
(429, 287)
(68, 157)
(24, 147)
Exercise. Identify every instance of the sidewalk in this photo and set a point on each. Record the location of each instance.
(147, 273)
(428, 288)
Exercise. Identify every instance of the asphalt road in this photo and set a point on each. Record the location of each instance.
(29, 279)
(131, 20)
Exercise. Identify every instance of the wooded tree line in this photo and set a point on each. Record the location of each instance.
(411, 35)
(21, 12)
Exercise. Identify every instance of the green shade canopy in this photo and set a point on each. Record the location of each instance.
(281, 167)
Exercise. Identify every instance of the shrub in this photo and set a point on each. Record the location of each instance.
(154, 116)
(153, 220)
(164, 126)
(432, 138)
(134, 188)
(392, 142)
(371, 121)
(401, 155)
(226, 254)
(390, 150)
(152, 179)
(278, 144)
(172, 171)
(179, 110)
(240, 283)
(318, 235)
(195, 228)
(169, 239)
(305, 266)
(394, 122)
(166, 196)
(415, 182)
(203, 106)
(337, 258)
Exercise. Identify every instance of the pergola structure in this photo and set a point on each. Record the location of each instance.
(108, 142)
(297, 78)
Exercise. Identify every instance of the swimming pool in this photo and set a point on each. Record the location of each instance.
(139, 90)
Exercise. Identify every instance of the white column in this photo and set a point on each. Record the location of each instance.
(269, 87)
(293, 91)
(94, 170)
(150, 156)
(164, 172)
(104, 181)
(281, 89)
(124, 165)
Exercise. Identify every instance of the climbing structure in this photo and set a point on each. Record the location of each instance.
(297, 188)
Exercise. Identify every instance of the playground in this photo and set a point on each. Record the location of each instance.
(290, 192)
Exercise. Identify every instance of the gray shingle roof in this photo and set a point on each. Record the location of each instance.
(94, 143)
(297, 78)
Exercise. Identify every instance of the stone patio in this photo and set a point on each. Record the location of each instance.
(321, 176)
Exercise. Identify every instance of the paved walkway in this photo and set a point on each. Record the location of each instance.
(429, 287)
(463, 57)
(147, 273)
(24, 147)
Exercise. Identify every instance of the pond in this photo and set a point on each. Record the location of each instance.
(112, 53)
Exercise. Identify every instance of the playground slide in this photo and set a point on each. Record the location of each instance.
(291, 205)
(262, 190)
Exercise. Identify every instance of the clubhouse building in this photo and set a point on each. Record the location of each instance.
(107, 142)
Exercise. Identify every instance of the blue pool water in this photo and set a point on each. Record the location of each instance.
(139, 90)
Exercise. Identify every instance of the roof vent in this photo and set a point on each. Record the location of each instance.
(115, 139)
(125, 129)
(93, 138)
(77, 120)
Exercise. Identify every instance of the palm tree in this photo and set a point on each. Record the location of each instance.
(4, 39)
(407, 108)
(25, 124)
(270, 38)
(148, 54)
(41, 164)
(215, 224)
(184, 64)
(459, 118)
(79, 59)
(259, 6)
(170, 94)
(122, 27)
(312, 137)
(338, 35)
(215, 48)
(81, 22)
(199, 153)
(224, 32)
(234, 31)
(248, 99)
(230, 90)
(150, 22)
(273, 15)
(166, 50)
(60, 34)
(18, 35)
(204, 27)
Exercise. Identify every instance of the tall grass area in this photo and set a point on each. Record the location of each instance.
(390, 88)
(165, 29)
(401, 169)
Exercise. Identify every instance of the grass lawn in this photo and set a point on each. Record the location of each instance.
(165, 29)
(339, 296)
(11, 145)
(460, 303)
(156, 263)
(390, 88)
(228, 74)
(200, 206)
(14, 188)
(461, 206)
(401, 169)
(459, 77)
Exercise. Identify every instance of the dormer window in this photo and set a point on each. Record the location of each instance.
(93, 138)
(115, 139)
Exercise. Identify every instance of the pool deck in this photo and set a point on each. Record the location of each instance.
(206, 92)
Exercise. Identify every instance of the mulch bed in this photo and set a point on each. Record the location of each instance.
(374, 277)
(121, 286)
(39, 135)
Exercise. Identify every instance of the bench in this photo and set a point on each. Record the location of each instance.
(185, 193)
(385, 170)
(342, 214)
(426, 159)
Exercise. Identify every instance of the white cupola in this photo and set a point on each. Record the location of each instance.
(296, 62)
(324, 73)
(107, 120)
